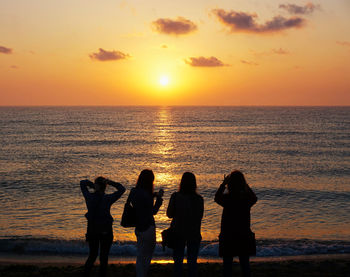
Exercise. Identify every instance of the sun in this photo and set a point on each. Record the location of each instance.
(164, 81)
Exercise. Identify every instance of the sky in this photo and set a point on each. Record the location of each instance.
(199, 52)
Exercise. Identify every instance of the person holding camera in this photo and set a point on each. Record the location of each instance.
(99, 220)
(142, 200)
(236, 237)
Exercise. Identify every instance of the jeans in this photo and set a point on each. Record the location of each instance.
(146, 242)
(192, 254)
(243, 262)
(96, 241)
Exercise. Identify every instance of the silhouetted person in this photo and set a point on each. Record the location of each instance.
(142, 199)
(186, 210)
(235, 235)
(99, 228)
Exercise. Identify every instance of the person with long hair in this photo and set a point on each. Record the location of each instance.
(142, 199)
(186, 210)
(99, 220)
(236, 237)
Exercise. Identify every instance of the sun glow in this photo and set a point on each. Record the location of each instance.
(164, 81)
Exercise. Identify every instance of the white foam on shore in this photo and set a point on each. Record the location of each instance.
(265, 248)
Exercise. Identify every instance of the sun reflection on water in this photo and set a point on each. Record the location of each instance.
(164, 176)
(164, 146)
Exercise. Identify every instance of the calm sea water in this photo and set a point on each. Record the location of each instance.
(297, 160)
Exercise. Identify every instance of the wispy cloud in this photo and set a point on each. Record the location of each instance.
(275, 51)
(5, 50)
(248, 62)
(308, 8)
(267, 54)
(14, 67)
(104, 55)
(178, 26)
(245, 22)
(344, 43)
(128, 7)
(204, 62)
(280, 51)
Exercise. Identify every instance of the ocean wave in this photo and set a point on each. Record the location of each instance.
(265, 248)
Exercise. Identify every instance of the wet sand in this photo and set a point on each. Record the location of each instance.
(319, 265)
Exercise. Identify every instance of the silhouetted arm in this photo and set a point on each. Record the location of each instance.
(84, 184)
(171, 207)
(120, 190)
(157, 205)
(201, 210)
(251, 196)
(219, 195)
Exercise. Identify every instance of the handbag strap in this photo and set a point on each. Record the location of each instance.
(175, 201)
(128, 200)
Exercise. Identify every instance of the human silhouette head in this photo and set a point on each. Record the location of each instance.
(188, 184)
(100, 184)
(145, 180)
(236, 182)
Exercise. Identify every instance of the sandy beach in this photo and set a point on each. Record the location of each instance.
(315, 265)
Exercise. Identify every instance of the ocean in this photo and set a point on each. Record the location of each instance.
(296, 159)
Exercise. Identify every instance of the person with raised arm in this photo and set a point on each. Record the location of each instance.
(99, 220)
(236, 237)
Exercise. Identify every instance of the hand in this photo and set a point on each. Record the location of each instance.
(161, 193)
(87, 183)
(226, 179)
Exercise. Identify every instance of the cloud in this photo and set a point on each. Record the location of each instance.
(164, 46)
(280, 51)
(275, 51)
(5, 50)
(308, 8)
(245, 22)
(104, 55)
(344, 43)
(204, 62)
(179, 26)
(128, 7)
(248, 63)
(14, 67)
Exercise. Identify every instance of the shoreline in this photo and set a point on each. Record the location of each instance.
(78, 260)
(334, 265)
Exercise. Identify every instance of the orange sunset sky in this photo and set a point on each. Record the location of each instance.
(200, 52)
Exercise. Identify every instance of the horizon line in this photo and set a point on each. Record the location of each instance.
(111, 106)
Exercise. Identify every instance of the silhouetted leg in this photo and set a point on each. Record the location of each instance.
(150, 244)
(105, 245)
(192, 255)
(227, 270)
(146, 242)
(139, 258)
(245, 266)
(178, 256)
(93, 252)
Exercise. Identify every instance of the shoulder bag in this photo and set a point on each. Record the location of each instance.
(129, 215)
